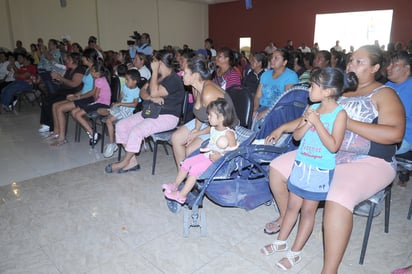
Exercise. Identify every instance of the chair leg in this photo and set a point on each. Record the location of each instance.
(77, 133)
(166, 151)
(367, 232)
(67, 121)
(102, 137)
(119, 155)
(387, 207)
(94, 122)
(154, 158)
(410, 211)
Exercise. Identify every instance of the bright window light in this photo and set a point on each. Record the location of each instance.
(244, 44)
(353, 29)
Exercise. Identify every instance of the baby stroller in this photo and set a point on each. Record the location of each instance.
(240, 177)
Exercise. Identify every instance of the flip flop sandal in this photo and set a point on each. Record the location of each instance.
(169, 187)
(273, 224)
(293, 258)
(175, 196)
(274, 247)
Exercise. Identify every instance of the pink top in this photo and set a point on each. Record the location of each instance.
(105, 93)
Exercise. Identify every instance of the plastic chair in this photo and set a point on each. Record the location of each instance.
(165, 137)
(243, 102)
(372, 202)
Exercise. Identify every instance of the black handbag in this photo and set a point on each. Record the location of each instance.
(150, 109)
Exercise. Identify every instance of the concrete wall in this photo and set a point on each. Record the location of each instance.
(171, 22)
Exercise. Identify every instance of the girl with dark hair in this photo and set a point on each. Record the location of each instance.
(189, 137)
(165, 89)
(98, 98)
(69, 83)
(222, 120)
(272, 84)
(226, 76)
(320, 131)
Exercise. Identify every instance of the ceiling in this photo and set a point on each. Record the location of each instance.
(210, 1)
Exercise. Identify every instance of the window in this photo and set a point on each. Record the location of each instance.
(244, 45)
(353, 29)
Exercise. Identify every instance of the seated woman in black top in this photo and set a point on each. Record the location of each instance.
(62, 86)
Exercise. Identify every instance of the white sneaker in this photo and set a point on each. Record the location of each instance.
(44, 128)
(110, 150)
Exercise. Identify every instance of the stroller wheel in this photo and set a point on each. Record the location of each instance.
(173, 206)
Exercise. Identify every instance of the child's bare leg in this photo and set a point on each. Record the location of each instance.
(289, 221)
(189, 184)
(110, 128)
(103, 111)
(307, 221)
(60, 111)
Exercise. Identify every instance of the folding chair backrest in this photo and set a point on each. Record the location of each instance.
(115, 89)
(243, 102)
(288, 107)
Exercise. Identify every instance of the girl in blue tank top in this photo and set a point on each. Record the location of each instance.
(320, 132)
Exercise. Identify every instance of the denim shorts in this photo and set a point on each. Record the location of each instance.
(310, 182)
(191, 125)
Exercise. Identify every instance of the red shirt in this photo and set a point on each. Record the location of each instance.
(23, 69)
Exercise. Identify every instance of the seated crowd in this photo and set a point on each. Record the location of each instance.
(364, 93)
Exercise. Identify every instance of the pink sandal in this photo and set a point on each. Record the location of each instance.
(400, 271)
(175, 196)
(169, 187)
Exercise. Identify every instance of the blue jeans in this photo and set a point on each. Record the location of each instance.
(11, 90)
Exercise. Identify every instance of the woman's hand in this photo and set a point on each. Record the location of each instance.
(158, 100)
(155, 65)
(56, 76)
(71, 97)
(260, 115)
(192, 136)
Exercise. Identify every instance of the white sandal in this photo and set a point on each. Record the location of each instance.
(274, 247)
(293, 258)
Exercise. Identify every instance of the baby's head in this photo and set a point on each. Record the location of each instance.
(222, 142)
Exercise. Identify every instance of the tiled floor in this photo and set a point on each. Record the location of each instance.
(81, 220)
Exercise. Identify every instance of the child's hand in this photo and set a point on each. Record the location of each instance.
(312, 116)
(214, 156)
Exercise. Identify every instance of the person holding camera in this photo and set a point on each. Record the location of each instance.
(142, 45)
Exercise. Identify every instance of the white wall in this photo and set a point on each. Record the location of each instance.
(169, 22)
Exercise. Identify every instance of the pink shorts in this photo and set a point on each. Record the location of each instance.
(353, 182)
(196, 165)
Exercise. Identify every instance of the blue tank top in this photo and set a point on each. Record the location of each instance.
(311, 149)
